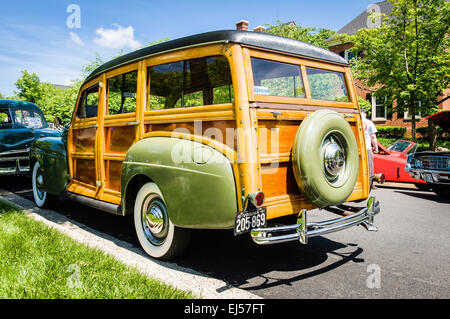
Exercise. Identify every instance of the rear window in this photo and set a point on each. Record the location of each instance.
(277, 79)
(327, 85)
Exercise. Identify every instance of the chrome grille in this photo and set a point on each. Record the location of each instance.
(436, 162)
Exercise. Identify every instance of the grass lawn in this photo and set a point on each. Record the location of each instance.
(40, 263)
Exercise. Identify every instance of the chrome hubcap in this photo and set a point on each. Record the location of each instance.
(334, 158)
(40, 184)
(155, 220)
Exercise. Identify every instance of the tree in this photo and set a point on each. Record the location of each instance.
(407, 58)
(29, 88)
(316, 36)
(1, 97)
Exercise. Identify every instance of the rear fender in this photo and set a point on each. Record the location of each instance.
(199, 191)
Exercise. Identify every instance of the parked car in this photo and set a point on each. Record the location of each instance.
(221, 130)
(392, 161)
(433, 167)
(21, 123)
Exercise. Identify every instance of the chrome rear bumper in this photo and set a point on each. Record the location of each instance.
(303, 230)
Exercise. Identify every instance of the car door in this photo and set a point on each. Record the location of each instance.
(119, 129)
(82, 144)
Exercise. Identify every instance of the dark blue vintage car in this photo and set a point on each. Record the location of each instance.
(21, 123)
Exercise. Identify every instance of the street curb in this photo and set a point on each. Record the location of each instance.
(201, 285)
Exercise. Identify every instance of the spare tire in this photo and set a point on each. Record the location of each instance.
(325, 158)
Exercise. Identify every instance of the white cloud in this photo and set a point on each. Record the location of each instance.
(117, 38)
(76, 39)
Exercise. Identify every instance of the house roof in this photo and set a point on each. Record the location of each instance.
(360, 21)
(246, 38)
(62, 87)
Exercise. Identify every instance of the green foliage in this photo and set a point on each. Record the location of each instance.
(407, 58)
(391, 131)
(29, 88)
(424, 132)
(316, 36)
(366, 105)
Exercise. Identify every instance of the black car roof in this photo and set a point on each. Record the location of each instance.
(247, 38)
(12, 104)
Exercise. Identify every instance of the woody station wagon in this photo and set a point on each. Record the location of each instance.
(223, 130)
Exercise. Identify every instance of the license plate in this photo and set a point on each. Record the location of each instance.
(428, 178)
(246, 221)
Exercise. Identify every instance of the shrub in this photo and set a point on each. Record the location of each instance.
(423, 132)
(391, 131)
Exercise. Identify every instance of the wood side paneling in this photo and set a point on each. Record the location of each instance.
(84, 140)
(222, 131)
(118, 139)
(85, 171)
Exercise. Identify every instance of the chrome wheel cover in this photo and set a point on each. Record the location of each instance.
(334, 158)
(39, 180)
(155, 220)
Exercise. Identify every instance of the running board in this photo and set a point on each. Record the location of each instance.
(95, 203)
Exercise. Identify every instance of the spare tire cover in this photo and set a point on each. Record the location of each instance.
(325, 158)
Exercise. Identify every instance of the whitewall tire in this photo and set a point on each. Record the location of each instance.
(156, 233)
(41, 197)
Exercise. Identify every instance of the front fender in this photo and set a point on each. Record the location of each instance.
(51, 152)
(199, 191)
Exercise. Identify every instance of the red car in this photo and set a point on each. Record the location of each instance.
(392, 161)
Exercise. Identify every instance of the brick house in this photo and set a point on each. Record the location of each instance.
(382, 115)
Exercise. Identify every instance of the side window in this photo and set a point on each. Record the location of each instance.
(88, 103)
(327, 85)
(122, 93)
(277, 79)
(195, 82)
(166, 85)
(5, 117)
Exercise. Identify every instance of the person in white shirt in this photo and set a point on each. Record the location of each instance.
(371, 142)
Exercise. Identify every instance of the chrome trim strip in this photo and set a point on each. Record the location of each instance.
(15, 152)
(8, 159)
(304, 230)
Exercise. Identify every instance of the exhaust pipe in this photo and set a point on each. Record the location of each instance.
(379, 178)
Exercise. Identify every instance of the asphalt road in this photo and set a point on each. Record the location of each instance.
(408, 257)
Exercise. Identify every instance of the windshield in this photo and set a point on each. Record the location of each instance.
(399, 146)
(29, 118)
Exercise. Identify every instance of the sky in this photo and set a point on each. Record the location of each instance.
(56, 38)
